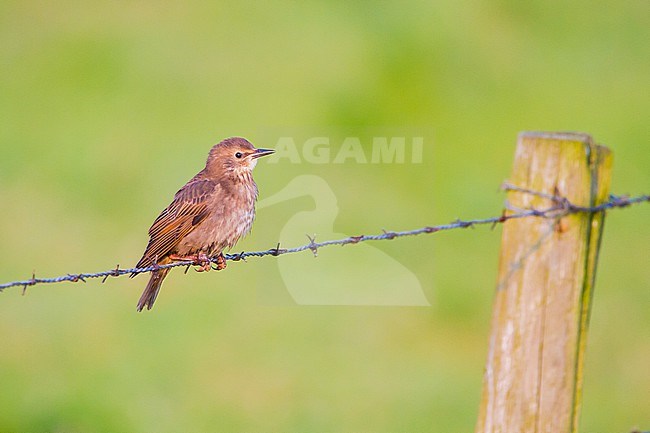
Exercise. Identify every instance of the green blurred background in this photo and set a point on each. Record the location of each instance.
(107, 108)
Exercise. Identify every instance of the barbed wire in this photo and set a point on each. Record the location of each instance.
(561, 207)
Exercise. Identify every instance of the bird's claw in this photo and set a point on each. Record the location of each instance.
(203, 262)
(221, 262)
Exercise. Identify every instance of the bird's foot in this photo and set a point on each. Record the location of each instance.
(221, 262)
(200, 259)
(203, 261)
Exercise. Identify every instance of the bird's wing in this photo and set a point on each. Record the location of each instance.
(186, 211)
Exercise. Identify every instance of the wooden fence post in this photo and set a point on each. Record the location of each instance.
(533, 375)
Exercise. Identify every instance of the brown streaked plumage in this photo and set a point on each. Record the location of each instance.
(209, 214)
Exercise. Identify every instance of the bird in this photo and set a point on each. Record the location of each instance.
(210, 213)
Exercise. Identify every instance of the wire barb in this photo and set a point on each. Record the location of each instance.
(561, 207)
(313, 246)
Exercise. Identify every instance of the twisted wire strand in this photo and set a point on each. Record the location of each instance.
(561, 207)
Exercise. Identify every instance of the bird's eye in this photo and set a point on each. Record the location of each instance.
(238, 155)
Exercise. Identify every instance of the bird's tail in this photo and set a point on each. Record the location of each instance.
(153, 287)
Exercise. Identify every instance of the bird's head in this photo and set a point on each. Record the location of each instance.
(234, 156)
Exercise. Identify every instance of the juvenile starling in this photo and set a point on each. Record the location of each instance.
(209, 214)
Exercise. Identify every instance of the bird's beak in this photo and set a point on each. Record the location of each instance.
(261, 152)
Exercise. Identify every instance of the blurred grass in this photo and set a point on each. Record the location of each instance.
(107, 108)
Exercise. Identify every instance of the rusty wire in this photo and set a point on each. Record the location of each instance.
(560, 208)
